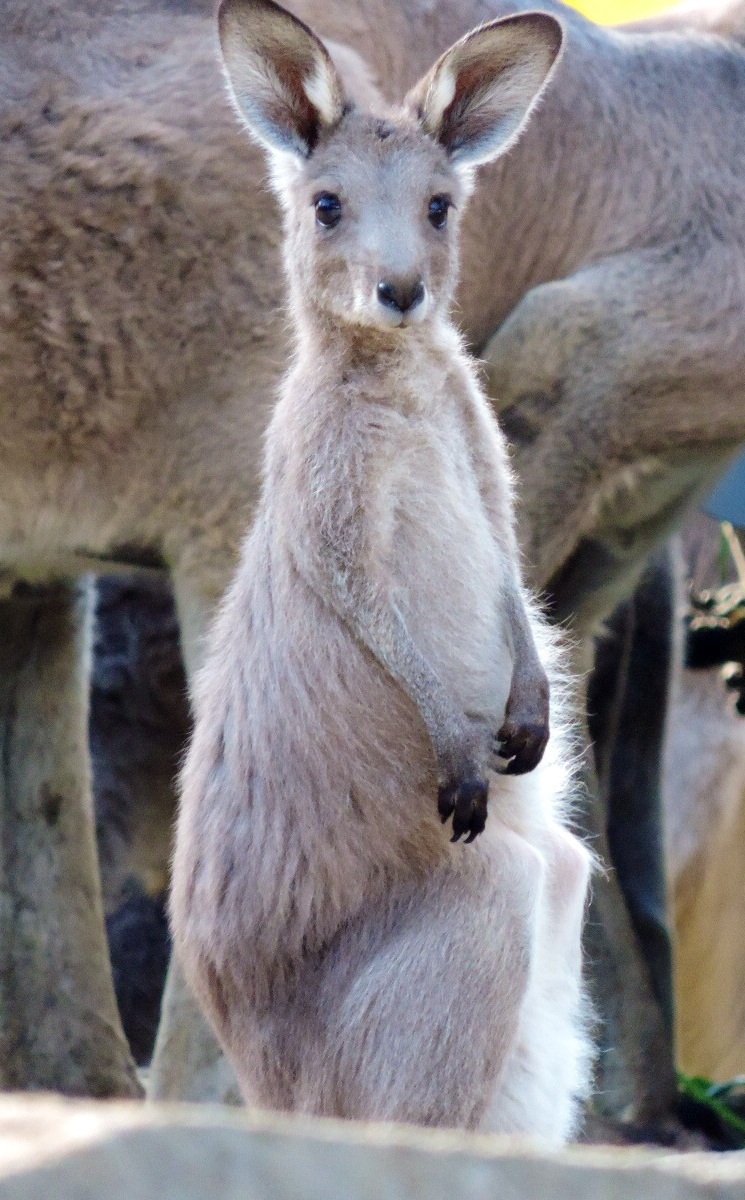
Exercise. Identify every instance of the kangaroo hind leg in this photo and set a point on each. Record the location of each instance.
(421, 999)
(548, 1074)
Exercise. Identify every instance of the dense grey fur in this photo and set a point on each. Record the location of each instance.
(353, 961)
(140, 291)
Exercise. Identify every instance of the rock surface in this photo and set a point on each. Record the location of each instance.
(68, 1150)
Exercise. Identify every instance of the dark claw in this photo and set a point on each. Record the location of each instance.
(446, 801)
(523, 745)
(466, 802)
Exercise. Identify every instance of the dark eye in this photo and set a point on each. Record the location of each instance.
(438, 211)
(328, 209)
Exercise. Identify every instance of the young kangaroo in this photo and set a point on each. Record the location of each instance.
(375, 657)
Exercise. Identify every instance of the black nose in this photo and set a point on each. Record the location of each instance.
(401, 296)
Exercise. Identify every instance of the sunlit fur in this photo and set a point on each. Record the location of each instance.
(352, 960)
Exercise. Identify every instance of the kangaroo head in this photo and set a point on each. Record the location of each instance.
(373, 202)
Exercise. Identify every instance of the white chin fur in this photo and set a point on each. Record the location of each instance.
(382, 317)
(371, 314)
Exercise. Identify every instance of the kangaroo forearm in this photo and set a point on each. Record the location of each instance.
(373, 619)
(525, 731)
(381, 628)
(525, 651)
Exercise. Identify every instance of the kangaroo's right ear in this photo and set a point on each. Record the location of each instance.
(281, 77)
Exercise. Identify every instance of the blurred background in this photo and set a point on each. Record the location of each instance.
(611, 12)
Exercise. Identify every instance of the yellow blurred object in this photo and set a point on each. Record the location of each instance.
(612, 12)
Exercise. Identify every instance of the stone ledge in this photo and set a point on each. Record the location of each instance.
(54, 1149)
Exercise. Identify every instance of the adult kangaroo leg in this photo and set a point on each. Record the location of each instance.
(59, 1025)
(188, 1063)
(635, 1070)
(636, 660)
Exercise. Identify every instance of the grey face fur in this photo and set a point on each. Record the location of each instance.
(372, 200)
(384, 263)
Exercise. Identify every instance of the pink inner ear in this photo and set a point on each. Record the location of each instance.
(469, 80)
(292, 76)
(458, 124)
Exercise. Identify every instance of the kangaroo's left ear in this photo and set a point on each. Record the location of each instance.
(476, 98)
